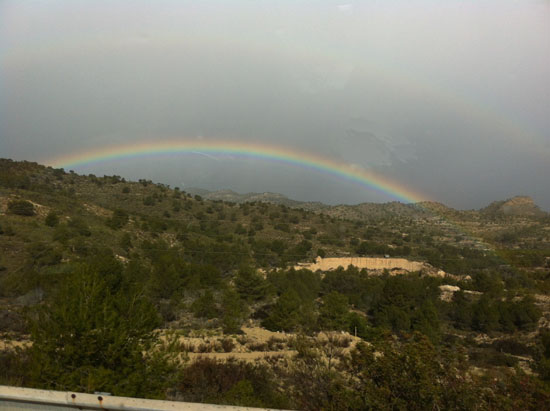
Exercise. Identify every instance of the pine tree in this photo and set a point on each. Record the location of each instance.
(250, 285)
(334, 312)
(285, 313)
(92, 337)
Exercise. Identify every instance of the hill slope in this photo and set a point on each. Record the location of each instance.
(160, 259)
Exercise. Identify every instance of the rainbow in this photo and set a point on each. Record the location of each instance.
(247, 150)
(263, 152)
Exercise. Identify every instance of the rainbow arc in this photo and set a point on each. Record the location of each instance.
(241, 149)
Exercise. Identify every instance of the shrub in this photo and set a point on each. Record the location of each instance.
(282, 227)
(125, 241)
(21, 207)
(257, 346)
(62, 234)
(242, 339)
(14, 366)
(511, 346)
(230, 382)
(149, 201)
(80, 226)
(275, 344)
(492, 358)
(204, 347)
(187, 347)
(228, 344)
(118, 220)
(52, 219)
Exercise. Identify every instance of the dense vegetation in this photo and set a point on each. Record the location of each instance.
(101, 278)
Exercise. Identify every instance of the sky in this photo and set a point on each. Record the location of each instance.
(450, 99)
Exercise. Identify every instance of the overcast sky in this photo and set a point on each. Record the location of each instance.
(449, 98)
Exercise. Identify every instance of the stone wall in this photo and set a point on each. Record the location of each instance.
(332, 263)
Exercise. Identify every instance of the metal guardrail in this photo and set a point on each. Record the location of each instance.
(16, 398)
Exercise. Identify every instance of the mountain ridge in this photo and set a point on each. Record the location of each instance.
(519, 206)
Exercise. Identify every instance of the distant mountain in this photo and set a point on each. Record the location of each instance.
(265, 197)
(519, 206)
(363, 211)
(375, 210)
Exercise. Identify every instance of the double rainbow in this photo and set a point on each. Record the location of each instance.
(243, 149)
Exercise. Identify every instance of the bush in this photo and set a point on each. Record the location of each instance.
(78, 225)
(275, 344)
(52, 219)
(14, 366)
(205, 306)
(21, 207)
(118, 220)
(512, 346)
(204, 347)
(228, 344)
(492, 358)
(7, 230)
(258, 346)
(149, 201)
(231, 382)
(12, 321)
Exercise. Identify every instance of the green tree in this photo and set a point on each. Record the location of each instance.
(543, 354)
(205, 306)
(358, 325)
(461, 312)
(485, 316)
(284, 315)
(250, 285)
(233, 312)
(93, 338)
(334, 312)
(426, 320)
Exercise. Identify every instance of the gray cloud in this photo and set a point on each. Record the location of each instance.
(450, 99)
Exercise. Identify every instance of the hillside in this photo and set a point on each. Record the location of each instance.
(521, 206)
(95, 271)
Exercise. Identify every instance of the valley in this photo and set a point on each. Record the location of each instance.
(266, 304)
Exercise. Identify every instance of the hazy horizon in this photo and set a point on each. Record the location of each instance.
(448, 99)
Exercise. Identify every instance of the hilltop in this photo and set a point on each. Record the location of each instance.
(521, 206)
